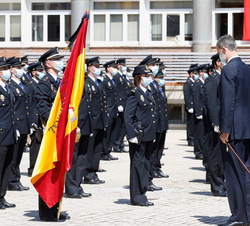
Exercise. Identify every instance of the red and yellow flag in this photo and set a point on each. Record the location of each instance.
(57, 147)
(246, 27)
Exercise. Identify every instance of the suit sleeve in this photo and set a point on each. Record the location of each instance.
(227, 98)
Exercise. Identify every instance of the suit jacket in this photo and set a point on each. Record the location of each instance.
(199, 100)
(22, 107)
(188, 93)
(235, 99)
(7, 125)
(140, 107)
(45, 95)
(211, 87)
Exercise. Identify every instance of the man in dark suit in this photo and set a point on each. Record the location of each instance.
(7, 132)
(235, 128)
(45, 95)
(22, 111)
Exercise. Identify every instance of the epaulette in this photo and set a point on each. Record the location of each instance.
(149, 88)
(213, 74)
(132, 92)
(45, 78)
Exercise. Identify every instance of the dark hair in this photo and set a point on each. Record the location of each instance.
(137, 80)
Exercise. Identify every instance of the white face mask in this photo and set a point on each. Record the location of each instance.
(19, 72)
(114, 72)
(223, 58)
(59, 65)
(146, 81)
(161, 82)
(155, 69)
(124, 70)
(205, 75)
(40, 74)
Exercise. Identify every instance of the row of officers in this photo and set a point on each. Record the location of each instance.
(201, 98)
(111, 108)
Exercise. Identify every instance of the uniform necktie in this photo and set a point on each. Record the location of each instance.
(6, 88)
(161, 92)
(113, 81)
(58, 81)
(96, 82)
(147, 92)
(22, 86)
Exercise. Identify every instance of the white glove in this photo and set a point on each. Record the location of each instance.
(31, 131)
(134, 140)
(120, 108)
(17, 134)
(191, 110)
(199, 117)
(91, 135)
(216, 129)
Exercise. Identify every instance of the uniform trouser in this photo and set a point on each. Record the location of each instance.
(15, 174)
(120, 132)
(45, 211)
(95, 147)
(109, 136)
(160, 149)
(190, 127)
(215, 163)
(6, 155)
(154, 154)
(198, 137)
(34, 150)
(238, 180)
(75, 174)
(139, 170)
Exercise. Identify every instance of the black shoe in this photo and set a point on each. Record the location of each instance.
(143, 204)
(101, 170)
(152, 187)
(233, 223)
(112, 157)
(155, 174)
(73, 196)
(64, 216)
(25, 188)
(105, 158)
(200, 157)
(6, 204)
(118, 150)
(162, 174)
(91, 181)
(85, 195)
(220, 193)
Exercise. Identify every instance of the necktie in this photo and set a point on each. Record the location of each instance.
(96, 82)
(161, 92)
(58, 81)
(22, 86)
(113, 81)
(6, 88)
(147, 92)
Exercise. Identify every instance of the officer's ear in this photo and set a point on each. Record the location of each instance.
(47, 64)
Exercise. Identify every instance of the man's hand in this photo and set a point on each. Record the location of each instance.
(224, 137)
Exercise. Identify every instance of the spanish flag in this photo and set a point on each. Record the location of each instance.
(57, 147)
(246, 27)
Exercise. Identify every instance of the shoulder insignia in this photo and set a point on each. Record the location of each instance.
(45, 78)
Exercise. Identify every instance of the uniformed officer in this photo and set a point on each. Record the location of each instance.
(110, 88)
(22, 94)
(151, 63)
(93, 120)
(158, 91)
(7, 132)
(45, 95)
(188, 89)
(140, 121)
(36, 71)
(214, 155)
(124, 86)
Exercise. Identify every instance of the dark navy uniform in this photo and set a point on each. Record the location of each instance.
(22, 114)
(140, 107)
(214, 155)
(188, 89)
(7, 140)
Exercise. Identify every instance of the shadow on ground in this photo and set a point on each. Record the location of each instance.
(123, 201)
(201, 193)
(198, 168)
(34, 215)
(198, 181)
(211, 220)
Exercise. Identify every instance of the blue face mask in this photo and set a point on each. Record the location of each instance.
(6, 75)
(59, 65)
(223, 58)
(26, 67)
(146, 81)
(196, 77)
(161, 82)
(19, 73)
(155, 70)
(40, 75)
(124, 70)
(205, 75)
(114, 72)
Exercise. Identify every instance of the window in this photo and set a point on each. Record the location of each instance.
(116, 28)
(156, 26)
(99, 28)
(171, 4)
(221, 25)
(2, 30)
(15, 28)
(133, 27)
(51, 22)
(229, 3)
(238, 26)
(188, 27)
(10, 6)
(116, 5)
(173, 27)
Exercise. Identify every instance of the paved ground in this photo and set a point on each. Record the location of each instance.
(184, 200)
